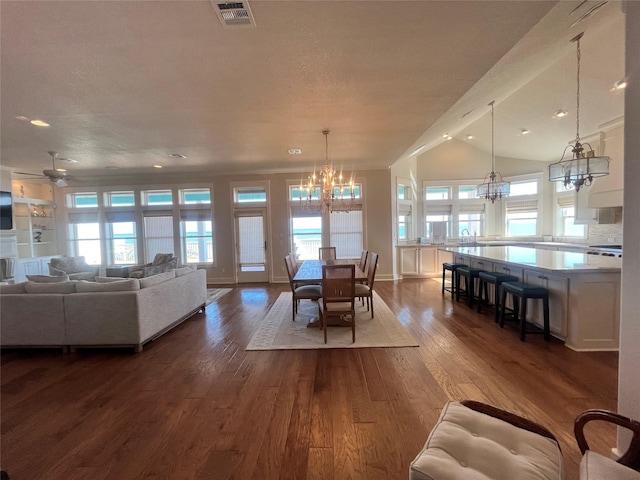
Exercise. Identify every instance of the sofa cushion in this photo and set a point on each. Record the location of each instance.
(13, 288)
(82, 276)
(47, 278)
(184, 270)
(155, 279)
(62, 287)
(108, 279)
(123, 285)
(598, 467)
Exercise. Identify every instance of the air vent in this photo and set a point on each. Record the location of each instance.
(234, 14)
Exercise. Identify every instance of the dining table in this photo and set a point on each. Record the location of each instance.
(310, 273)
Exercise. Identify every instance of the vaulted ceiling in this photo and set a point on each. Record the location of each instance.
(125, 84)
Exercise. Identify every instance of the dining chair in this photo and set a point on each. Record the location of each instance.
(299, 292)
(363, 259)
(366, 290)
(338, 296)
(327, 253)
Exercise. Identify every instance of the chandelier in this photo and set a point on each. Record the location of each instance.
(584, 166)
(493, 188)
(327, 191)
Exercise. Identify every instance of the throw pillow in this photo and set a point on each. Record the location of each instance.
(124, 285)
(13, 288)
(155, 279)
(164, 267)
(47, 278)
(62, 287)
(161, 258)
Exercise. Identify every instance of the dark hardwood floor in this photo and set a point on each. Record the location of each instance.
(195, 405)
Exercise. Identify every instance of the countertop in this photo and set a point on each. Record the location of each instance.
(548, 260)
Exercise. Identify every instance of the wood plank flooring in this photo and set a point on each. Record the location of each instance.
(195, 405)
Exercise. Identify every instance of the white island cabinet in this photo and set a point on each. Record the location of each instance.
(421, 260)
(584, 290)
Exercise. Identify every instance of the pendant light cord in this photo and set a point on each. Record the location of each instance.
(578, 56)
(493, 157)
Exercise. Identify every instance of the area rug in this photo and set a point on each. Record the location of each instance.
(276, 331)
(214, 294)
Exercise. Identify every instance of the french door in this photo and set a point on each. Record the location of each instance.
(251, 246)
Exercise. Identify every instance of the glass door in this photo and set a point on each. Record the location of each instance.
(251, 246)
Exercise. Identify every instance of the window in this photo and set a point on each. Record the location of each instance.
(121, 239)
(306, 234)
(438, 193)
(197, 196)
(529, 187)
(250, 195)
(565, 213)
(84, 236)
(521, 218)
(82, 200)
(196, 236)
(467, 191)
(158, 233)
(157, 197)
(346, 233)
(119, 199)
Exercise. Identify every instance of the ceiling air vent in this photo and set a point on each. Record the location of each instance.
(234, 14)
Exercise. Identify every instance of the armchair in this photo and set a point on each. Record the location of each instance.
(75, 267)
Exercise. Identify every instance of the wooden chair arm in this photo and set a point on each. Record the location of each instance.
(631, 458)
(509, 417)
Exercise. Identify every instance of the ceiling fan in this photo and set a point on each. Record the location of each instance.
(57, 176)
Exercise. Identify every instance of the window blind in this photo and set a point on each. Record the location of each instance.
(83, 217)
(566, 201)
(346, 233)
(516, 206)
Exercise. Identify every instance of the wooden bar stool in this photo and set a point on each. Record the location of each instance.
(452, 267)
(522, 292)
(470, 275)
(496, 279)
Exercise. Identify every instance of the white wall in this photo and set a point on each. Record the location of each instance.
(629, 363)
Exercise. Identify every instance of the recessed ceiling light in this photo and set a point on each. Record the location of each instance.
(157, 166)
(294, 151)
(445, 135)
(619, 85)
(560, 113)
(61, 169)
(23, 118)
(177, 155)
(39, 123)
(524, 131)
(449, 137)
(469, 137)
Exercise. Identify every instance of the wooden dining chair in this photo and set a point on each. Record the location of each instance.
(338, 296)
(363, 259)
(327, 253)
(365, 291)
(299, 292)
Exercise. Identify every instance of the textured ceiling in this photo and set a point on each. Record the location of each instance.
(125, 84)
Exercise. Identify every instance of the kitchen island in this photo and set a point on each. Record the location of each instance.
(584, 290)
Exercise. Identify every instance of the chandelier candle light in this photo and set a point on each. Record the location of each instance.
(584, 166)
(494, 187)
(325, 189)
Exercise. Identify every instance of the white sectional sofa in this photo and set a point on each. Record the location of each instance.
(108, 312)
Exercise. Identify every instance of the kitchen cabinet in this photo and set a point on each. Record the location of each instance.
(419, 261)
(35, 227)
(509, 269)
(607, 191)
(558, 287)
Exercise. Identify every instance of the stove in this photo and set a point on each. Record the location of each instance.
(607, 250)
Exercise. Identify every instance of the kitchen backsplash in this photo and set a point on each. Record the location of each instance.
(604, 234)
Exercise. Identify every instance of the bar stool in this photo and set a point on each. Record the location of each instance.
(452, 267)
(469, 274)
(493, 278)
(521, 292)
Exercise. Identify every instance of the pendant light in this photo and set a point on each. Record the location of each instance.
(494, 187)
(584, 166)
